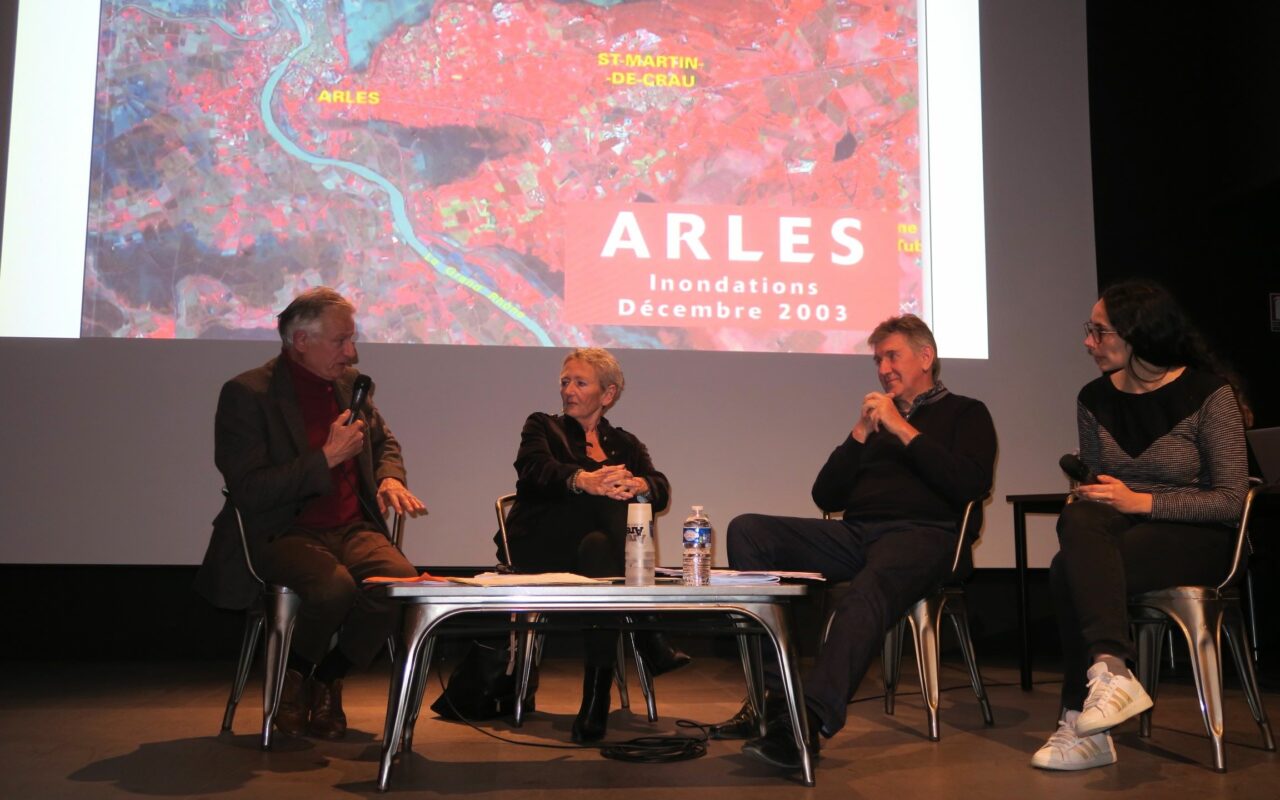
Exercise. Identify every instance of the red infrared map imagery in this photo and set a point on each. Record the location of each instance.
(729, 175)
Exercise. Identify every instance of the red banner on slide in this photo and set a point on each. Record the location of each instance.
(731, 266)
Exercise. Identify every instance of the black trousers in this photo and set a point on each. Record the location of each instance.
(326, 567)
(1103, 558)
(890, 565)
(586, 534)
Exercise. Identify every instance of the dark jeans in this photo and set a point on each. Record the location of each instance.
(889, 564)
(1103, 558)
(326, 567)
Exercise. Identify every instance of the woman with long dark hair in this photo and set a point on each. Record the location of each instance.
(1163, 431)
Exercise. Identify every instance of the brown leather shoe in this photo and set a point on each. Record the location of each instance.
(295, 702)
(328, 721)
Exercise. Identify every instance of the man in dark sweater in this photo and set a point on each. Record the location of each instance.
(311, 479)
(916, 455)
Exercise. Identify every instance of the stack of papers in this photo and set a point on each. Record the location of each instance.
(730, 577)
(499, 579)
(538, 579)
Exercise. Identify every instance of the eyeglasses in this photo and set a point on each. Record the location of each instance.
(1096, 332)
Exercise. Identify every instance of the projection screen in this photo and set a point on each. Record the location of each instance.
(729, 195)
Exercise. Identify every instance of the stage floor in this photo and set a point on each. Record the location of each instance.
(131, 730)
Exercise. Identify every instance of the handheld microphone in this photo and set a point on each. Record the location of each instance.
(1076, 469)
(359, 392)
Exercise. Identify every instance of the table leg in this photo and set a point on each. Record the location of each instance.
(1020, 563)
(419, 690)
(753, 672)
(525, 642)
(772, 618)
(419, 618)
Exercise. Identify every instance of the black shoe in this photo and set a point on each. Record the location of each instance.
(659, 655)
(743, 725)
(592, 721)
(778, 746)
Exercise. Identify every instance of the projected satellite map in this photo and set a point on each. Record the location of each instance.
(677, 174)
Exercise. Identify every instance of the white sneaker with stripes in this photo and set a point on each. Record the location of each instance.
(1112, 700)
(1067, 751)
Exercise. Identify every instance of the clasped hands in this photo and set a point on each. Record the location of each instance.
(615, 482)
(1113, 492)
(880, 412)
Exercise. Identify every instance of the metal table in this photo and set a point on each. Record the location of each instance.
(426, 605)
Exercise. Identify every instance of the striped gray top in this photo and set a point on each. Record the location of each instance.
(1183, 443)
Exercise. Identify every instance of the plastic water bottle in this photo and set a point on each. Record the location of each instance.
(697, 549)
(639, 554)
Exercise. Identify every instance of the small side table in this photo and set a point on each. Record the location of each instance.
(1024, 504)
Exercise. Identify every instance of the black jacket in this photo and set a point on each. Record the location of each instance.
(552, 449)
(260, 447)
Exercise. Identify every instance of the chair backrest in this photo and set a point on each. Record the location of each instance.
(1256, 490)
(502, 507)
(397, 530)
(244, 541)
(970, 524)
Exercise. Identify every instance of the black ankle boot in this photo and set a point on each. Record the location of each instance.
(593, 718)
(659, 655)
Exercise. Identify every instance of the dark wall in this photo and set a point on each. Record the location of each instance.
(1186, 176)
(1186, 168)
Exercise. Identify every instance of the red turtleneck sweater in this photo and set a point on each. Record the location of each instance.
(319, 407)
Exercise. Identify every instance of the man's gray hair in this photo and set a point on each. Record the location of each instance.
(917, 333)
(305, 311)
(608, 371)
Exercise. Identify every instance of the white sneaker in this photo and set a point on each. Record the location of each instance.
(1112, 700)
(1067, 751)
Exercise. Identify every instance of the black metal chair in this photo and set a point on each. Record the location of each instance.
(1203, 614)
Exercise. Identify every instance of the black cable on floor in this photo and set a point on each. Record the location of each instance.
(641, 750)
(660, 749)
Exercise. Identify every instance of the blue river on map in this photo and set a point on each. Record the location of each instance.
(398, 211)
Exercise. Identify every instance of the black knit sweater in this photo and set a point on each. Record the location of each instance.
(950, 463)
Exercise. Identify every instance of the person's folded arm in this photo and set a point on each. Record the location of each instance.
(543, 469)
(387, 459)
(1220, 440)
(963, 469)
(835, 480)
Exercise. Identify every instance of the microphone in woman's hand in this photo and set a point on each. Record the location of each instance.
(1076, 469)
